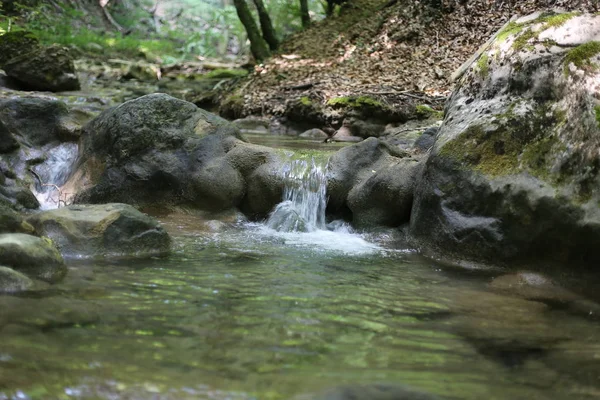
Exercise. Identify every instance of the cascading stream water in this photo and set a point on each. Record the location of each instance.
(304, 198)
(53, 174)
(300, 218)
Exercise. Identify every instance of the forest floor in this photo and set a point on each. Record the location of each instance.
(397, 51)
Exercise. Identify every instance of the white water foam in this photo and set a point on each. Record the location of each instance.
(300, 218)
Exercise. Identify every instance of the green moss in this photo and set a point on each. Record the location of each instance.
(514, 145)
(423, 111)
(556, 20)
(305, 101)
(522, 41)
(597, 112)
(226, 73)
(483, 65)
(580, 55)
(511, 29)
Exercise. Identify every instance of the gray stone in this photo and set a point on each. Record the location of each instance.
(13, 281)
(50, 68)
(35, 257)
(108, 230)
(314, 134)
(373, 182)
(157, 150)
(514, 174)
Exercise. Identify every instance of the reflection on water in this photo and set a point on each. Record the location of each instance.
(242, 312)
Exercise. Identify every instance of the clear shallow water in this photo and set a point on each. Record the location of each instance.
(250, 313)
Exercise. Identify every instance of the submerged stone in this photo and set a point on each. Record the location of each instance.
(109, 230)
(371, 392)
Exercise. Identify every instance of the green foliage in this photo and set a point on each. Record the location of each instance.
(597, 112)
(305, 101)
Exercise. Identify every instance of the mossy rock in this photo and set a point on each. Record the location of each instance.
(16, 43)
(12, 281)
(35, 257)
(367, 107)
(48, 69)
(512, 179)
(108, 230)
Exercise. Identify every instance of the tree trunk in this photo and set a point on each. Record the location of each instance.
(266, 26)
(304, 13)
(258, 46)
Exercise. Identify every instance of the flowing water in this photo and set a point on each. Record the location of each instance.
(270, 311)
(53, 173)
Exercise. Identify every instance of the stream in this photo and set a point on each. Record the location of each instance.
(289, 306)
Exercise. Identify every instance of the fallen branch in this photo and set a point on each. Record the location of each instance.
(304, 86)
(407, 94)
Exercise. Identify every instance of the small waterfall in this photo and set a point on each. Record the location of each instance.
(304, 198)
(53, 173)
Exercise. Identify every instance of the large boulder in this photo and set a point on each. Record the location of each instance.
(514, 174)
(158, 150)
(47, 69)
(373, 183)
(16, 43)
(109, 230)
(35, 257)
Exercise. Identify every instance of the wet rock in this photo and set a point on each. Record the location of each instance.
(531, 285)
(49, 68)
(535, 286)
(379, 391)
(157, 150)
(36, 121)
(372, 181)
(314, 134)
(35, 257)
(512, 177)
(426, 140)
(142, 72)
(260, 167)
(109, 230)
(505, 329)
(364, 128)
(345, 135)
(15, 43)
(11, 222)
(16, 196)
(7, 142)
(13, 281)
(253, 124)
